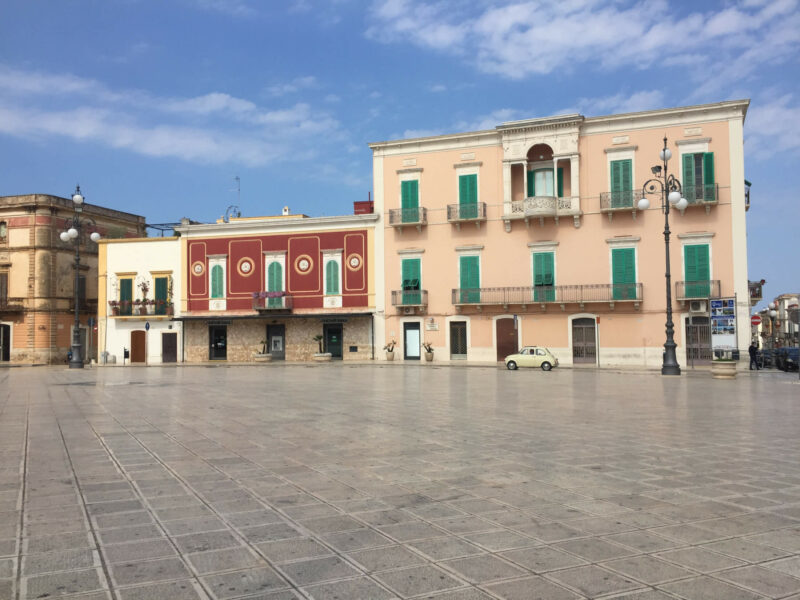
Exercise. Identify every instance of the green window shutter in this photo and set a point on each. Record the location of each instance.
(560, 182)
(216, 281)
(411, 269)
(275, 284)
(697, 271)
(161, 295)
(468, 196)
(470, 279)
(544, 276)
(125, 295)
(531, 185)
(409, 197)
(332, 277)
(708, 177)
(623, 266)
(621, 183)
(688, 178)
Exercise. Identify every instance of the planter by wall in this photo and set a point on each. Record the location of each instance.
(390, 355)
(262, 357)
(723, 369)
(324, 357)
(428, 356)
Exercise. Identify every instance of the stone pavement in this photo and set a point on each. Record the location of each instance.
(353, 481)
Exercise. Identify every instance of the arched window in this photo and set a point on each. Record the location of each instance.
(332, 277)
(275, 283)
(216, 281)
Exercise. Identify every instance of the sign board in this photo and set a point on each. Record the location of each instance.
(755, 320)
(147, 326)
(723, 323)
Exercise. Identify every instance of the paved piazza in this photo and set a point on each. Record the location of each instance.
(376, 482)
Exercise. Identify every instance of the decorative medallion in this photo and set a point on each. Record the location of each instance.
(245, 267)
(303, 264)
(354, 262)
(198, 268)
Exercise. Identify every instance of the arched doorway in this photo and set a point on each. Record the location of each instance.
(584, 341)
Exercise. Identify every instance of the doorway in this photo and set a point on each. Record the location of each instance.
(276, 344)
(458, 339)
(411, 341)
(138, 346)
(5, 343)
(506, 337)
(333, 339)
(698, 341)
(217, 342)
(169, 347)
(584, 344)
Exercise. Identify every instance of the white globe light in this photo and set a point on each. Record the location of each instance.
(773, 313)
(772, 306)
(665, 154)
(72, 232)
(673, 197)
(95, 237)
(64, 236)
(682, 204)
(644, 204)
(77, 199)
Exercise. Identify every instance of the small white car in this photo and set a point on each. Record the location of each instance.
(532, 356)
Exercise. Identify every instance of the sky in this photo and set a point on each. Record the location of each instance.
(156, 106)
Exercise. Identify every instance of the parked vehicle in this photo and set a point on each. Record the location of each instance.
(786, 359)
(532, 356)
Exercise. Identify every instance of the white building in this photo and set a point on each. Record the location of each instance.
(138, 297)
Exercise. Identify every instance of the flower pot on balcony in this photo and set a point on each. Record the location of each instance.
(323, 357)
(723, 369)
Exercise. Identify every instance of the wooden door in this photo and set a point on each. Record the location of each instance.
(169, 347)
(506, 337)
(5, 343)
(138, 346)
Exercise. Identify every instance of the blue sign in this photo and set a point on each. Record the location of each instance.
(147, 326)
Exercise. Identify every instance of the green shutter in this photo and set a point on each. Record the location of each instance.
(216, 281)
(621, 183)
(531, 185)
(697, 271)
(409, 197)
(411, 269)
(560, 182)
(161, 295)
(468, 196)
(623, 267)
(544, 277)
(708, 177)
(688, 178)
(126, 295)
(470, 279)
(275, 284)
(332, 278)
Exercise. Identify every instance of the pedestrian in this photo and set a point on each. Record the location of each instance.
(753, 352)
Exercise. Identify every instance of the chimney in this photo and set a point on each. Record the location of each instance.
(285, 211)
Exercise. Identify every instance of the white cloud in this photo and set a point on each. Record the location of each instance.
(618, 103)
(417, 133)
(489, 121)
(772, 127)
(293, 86)
(438, 88)
(233, 8)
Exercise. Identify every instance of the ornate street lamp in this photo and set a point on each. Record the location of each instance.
(670, 189)
(73, 234)
(772, 314)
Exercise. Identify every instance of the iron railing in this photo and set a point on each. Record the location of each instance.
(557, 294)
(84, 305)
(701, 194)
(690, 290)
(272, 301)
(620, 200)
(409, 298)
(408, 216)
(466, 212)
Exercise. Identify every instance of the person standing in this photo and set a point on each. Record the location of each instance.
(753, 353)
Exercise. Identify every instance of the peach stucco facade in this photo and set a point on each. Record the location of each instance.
(576, 219)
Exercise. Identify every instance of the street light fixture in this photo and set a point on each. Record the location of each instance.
(73, 235)
(670, 189)
(772, 314)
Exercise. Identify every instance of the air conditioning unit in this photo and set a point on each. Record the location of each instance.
(697, 306)
(408, 310)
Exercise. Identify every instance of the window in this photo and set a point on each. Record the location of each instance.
(697, 270)
(470, 279)
(3, 231)
(332, 278)
(275, 284)
(161, 295)
(126, 296)
(540, 352)
(3, 288)
(540, 183)
(217, 281)
(623, 267)
(544, 277)
(411, 273)
(698, 177)
(468, 196)
(409, 201)
(622, 183)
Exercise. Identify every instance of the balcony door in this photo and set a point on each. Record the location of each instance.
(697, 270)
(411, 341)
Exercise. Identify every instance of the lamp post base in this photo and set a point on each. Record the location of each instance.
(670, 370)
(76, 362)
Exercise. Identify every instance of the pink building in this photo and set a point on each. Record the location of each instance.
(530, 233)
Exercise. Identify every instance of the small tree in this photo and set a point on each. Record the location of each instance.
(318, 339)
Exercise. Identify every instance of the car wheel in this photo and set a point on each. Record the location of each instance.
(546, 366)
(512, 366)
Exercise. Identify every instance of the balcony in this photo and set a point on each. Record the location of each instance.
(694, 290)
(409, 299)
(403, 217)
(541, 207)
(85, 305)
(702, 195)
(610, 293)
(755, 291)
(620, 201)
(12, 304)
(269, 302)
(466, 213)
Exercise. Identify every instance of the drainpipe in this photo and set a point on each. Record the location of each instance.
(372, 335)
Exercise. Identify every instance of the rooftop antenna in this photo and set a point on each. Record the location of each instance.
(238, 189)
(233, 209)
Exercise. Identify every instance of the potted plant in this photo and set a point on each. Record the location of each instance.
(150, 306)
(390, 349)
(428, 351)
(262, 355)
(125, 307)
(321, 356)
(114, 304)
(141, 307)
(723, 368)
(170, 308)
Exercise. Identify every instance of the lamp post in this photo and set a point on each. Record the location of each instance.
(73, 234)
(772, 314)
(670, 189)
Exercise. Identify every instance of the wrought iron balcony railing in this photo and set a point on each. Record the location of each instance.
(556, 294)
(755, 291)
(458, 213)
(691, 290)
(406, 298)
(271, 301)
(398, 217)
(84, 305)
(620, 200)
(701, 194)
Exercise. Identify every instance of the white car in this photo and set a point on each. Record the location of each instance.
(532, 356)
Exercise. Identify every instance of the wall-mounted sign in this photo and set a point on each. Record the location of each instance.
(723, 324)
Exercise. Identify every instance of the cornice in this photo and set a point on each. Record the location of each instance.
(255, 227)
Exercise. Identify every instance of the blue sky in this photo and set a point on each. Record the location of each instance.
(154, 106)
